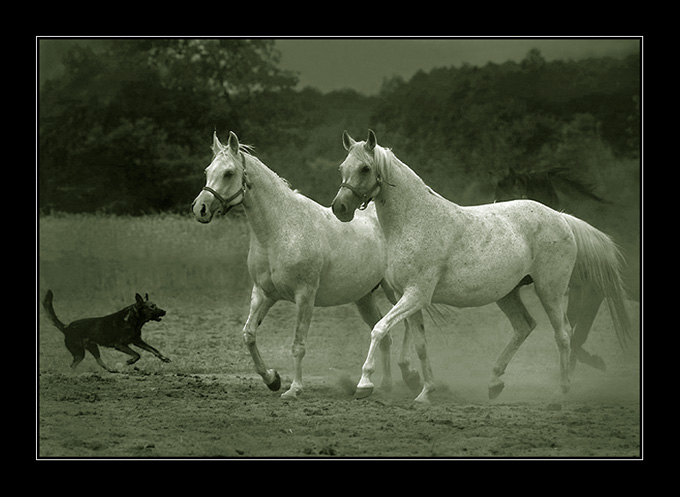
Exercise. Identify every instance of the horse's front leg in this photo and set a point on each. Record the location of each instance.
(305, 308)
(410, 376)
(370, 313)
(408, 304)
(416, 323)
(259, 305)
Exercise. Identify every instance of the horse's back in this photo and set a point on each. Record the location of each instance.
(501, 244)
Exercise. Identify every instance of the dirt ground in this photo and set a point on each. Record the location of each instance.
(207, 403)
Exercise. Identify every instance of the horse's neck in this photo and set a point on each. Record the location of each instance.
(266, 199)
(408, 199)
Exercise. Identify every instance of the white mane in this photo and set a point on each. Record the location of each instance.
(385, 159)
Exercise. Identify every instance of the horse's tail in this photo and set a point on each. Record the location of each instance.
(599, 263)
(47, 304)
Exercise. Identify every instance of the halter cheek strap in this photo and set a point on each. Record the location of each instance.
(366, 196)
(242, 191)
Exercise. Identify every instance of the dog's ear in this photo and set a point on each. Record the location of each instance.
(146, 297)
(139, 299)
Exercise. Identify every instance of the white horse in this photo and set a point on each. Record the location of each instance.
(299, 252)
(438, 251)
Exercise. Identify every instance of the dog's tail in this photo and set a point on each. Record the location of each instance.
(47, 304)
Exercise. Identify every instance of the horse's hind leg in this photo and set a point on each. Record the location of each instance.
(259, 305)
(584, 303)
(522, 324)
(371, 315)
(554, 300)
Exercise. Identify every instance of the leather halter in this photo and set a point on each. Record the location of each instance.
(242, 191)
(366, 196)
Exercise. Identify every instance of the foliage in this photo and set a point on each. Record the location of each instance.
(126, 128)
(523, 116)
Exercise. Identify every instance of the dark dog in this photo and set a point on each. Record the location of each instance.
(117, 330)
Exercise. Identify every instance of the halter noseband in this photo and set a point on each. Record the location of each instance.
(242, 191)
(366, 196)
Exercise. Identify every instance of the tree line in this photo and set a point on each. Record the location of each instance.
(126, 128)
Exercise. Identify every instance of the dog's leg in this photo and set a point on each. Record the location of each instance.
(127, 350)
(94, 350)
(77, 350)
(145, 346)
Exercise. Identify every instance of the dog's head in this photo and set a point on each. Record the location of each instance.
(146, 310)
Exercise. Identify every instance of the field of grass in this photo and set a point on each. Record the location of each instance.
(81, 254)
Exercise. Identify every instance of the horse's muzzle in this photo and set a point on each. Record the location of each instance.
(202, 210)
(342, 207)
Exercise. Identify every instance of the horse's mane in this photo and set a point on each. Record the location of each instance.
(385, 159)
(249, 150)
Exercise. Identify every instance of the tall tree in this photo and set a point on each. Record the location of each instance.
(124, 126)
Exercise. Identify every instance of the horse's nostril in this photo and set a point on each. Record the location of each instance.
(203, 210)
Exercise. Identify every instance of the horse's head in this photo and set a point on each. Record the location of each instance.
(225, 184)
(361, 178)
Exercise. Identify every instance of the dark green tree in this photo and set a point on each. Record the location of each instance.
(127, 125)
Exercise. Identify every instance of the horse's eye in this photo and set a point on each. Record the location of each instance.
(364, 169)
(228, 174)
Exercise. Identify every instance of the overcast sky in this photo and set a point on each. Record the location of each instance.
(361, 64)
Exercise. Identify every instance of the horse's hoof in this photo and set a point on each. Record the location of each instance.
(496, 389)
(275, 385)
(362, 392)
(422, 399)
(291, 394)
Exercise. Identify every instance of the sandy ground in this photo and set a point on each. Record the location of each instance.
(208, 403)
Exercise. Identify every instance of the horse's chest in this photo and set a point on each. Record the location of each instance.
(279, 272)
(261, 270)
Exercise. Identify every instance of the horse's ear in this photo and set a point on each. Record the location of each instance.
(347, 140)
(233, 143)
(371, 141)
(216, 145)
